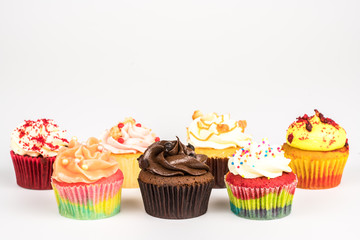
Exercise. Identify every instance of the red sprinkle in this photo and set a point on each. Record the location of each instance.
(157, 139)
(22, 133)
(138, 125)
(121, 140)
(290, 137)
(120, 125)
(326, 120)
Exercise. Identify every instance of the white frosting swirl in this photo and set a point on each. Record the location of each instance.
(135, 138)
(260, 160)
(40, 137)
(217, 132)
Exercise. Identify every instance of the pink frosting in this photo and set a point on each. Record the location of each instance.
(136, 139)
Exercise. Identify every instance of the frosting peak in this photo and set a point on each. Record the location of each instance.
(172, 158)
(260, 160)
(41, 137)
(128, 137)
(83, 163)
(217, 131)
(316, 133)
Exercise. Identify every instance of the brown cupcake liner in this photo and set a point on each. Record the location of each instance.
(176, 202)
(218, 168)
(33, 172)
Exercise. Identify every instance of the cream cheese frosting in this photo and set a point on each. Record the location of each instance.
(128, 137)
(41, 137)
(83, 163)
(316, 133)
(217, 131)
(260, 160)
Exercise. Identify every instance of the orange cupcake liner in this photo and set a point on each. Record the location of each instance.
(317, 170)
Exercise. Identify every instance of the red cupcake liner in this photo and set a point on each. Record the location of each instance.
(33, 172)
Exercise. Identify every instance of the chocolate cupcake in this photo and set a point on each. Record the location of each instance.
(175, 182)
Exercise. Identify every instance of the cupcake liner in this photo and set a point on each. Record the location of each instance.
(261, 203)
(318, 174)
(176, 202)
(88, 202)
(33, 172)
(317, 169)
(218, 168)
(130, 167)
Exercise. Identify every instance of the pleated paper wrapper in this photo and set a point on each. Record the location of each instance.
(261, 203)
(33, 172)
(89, 201)
(176, 202)
(129, 165)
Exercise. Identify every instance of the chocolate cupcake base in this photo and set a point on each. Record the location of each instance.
(218, 168)
(178, 197)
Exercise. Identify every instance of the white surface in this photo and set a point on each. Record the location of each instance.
(89, 64)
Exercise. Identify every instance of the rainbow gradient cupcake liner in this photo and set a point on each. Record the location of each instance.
(129, 165)
(89, 202)
(261, 203)
(33, 172)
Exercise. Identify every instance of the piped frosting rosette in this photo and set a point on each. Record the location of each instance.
(128, 137)
(217, 131)
(316, 133)
(41, 137)
(260, 183)
(260, 160)
(87, 181)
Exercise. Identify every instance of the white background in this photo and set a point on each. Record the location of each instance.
(89, 64)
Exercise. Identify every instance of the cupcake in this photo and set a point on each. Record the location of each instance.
(127, 141)
(218, 137)
(260, 182)
(34, 146)
(87, 181)
(175, 182)
(318, 149)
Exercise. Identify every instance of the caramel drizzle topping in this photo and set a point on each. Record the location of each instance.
(242, 124)
(207, 126)
(220, 127)
(211, 134)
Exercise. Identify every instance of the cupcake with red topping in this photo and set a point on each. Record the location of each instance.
(218, 137)
(260, 182)
(127, 141)
(318, 149)
(87, 181)
(34, 147)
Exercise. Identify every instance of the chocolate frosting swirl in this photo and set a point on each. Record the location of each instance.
(172, 158)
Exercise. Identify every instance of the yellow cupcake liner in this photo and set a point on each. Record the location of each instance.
(129, 165)
(317, 170)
